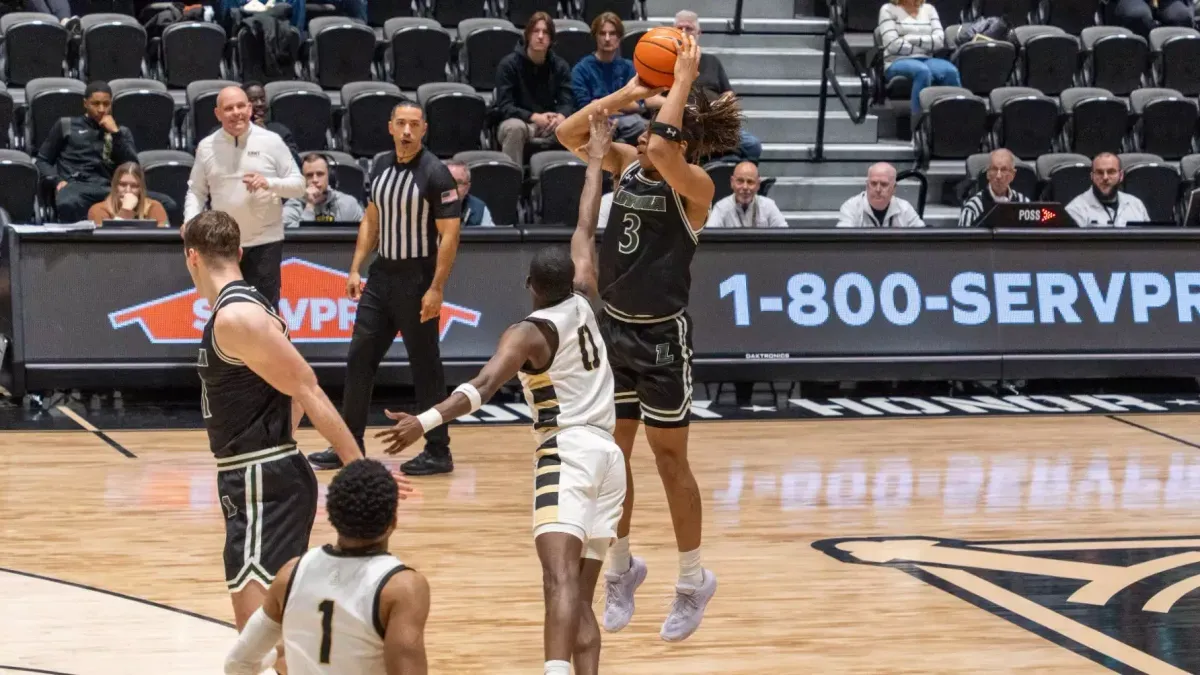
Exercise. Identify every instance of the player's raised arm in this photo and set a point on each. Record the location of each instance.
(574, 132)
(522, 342)
(583, 242)
(252, 653)
(403, 609)
(246, 332)
(689, 180)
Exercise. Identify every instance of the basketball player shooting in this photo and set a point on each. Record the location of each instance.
(661, 202)
(579, 472)
(349, 608)
(255, 388)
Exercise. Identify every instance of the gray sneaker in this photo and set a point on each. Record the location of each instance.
(618, 594)
(688, 609)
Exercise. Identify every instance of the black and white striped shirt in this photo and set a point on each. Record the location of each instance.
(410, 198)
(981, 203)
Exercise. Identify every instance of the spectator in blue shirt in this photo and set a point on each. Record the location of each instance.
(601, 73)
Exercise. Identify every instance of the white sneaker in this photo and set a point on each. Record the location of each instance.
(618, 594)
(688, 609)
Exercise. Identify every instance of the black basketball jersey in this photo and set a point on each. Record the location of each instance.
(646, 251)
(241, 411)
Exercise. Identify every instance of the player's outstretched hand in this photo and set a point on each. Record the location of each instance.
(601, 134)
(406, 431)
(404, 485)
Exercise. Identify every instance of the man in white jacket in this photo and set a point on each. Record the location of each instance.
(1104, 205)
(745, 207)
(878, 205)
(246, 171)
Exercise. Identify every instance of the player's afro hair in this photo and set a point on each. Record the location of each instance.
(362, 499)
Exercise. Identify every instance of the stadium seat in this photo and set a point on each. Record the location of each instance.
(634, 30)
(721, 173)
(113, 47)
(1025, 121)
(1025, 181)
(982, 66)
(251, 62)
(484, 43)
(367, 110)
(1114, 59)
(573, 40)
(167, 171)
(863, 17)
(342, 51)
(147, 108)
(590, 9)
(202, 110)
(19, 176)
(1048, 58)
(418, 51)
(952, 123)
(1165, 122)
(1153, 181)
(450, 13)
(379, 12)
(48, 99)
(1188, 168)
(519, 11)
(457, 116)
(498, 181)
(559, 177)
(1014, 12)
(351, 178)
(1071, 15)
(1175, 55)
(897, 88)
(1064, 176)
(304, 109)
(7, 110)
(192, 51)
(35, 46)
(1094, 121)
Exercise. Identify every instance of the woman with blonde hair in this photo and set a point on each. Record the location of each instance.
(910, 31)
(127, 200)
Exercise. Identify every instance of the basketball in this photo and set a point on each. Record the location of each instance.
(654, 56)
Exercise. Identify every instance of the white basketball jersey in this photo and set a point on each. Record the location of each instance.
(576, 389)
(330, 619)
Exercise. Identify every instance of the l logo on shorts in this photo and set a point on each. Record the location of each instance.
(230, 509)
(662, 354)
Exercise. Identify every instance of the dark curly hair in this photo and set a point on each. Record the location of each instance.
(362, 499)
(712, 124)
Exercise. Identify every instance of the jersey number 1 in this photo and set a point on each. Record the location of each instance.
(326, 608)
(592, 361)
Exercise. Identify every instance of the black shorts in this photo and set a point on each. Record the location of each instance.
(652, 369)
(260, 268)
(270, 503)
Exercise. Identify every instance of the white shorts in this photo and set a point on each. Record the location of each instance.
(579, 488)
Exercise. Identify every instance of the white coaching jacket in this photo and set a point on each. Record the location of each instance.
(1087, 211)
(856, 212)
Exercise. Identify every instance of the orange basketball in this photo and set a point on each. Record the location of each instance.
(654, 56)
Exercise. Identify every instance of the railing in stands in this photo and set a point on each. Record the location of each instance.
(924, 191)
(737, 18)
(836, 34)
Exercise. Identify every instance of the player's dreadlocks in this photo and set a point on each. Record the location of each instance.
(713, 125)
(362, 499)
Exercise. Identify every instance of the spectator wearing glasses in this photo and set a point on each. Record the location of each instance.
(533, 90)
(878, 205)
(745, 207)
(475, 212)
(603, 72)
(910, 32)
(128, 199)
(321, 203)
(1104, 205)
(1002, 168)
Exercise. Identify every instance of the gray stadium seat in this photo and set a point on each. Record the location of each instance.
(573, 40)
(952, 123)
(379, 12)
(167, 171)
(19, 176)
(1166, 122)
(450, 13)
(721, 172)
(35, 46)
(1153, 181)
(147, 108)
(304, 109)
(519, 11)
(1014, 12)
(1094, 121)
(634, 30)
(418, 51)
(498, 181)
(1114, 58)
(1175, 55)
(1048, 58)
(202, 109)
(367, 110)
(457, 115)
(1189, 165)
(590, 9)
(113, 47)
(1064, 176)
(983, 66)
(192, 51)
(1025, 181)
(343, 51)
(1071, 15)
(484, 43)
(559, 176)
(7, 109)
(48, 99)
(251, 61)
(1026, 121)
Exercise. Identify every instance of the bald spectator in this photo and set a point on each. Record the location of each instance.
(1104, 205)
(745, 207)
(475, 213)
(878, 205)
(1002, 168)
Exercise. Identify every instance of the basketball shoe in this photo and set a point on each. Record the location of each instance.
(688, 609)
(618, 594)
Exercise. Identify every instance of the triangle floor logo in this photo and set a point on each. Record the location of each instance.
(1130, 605)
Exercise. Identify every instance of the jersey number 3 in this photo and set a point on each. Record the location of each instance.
(326, 609)
(590, 361)
(630, 240)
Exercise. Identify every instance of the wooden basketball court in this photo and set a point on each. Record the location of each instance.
(112, 564)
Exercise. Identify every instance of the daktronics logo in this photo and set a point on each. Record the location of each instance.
(313, 302)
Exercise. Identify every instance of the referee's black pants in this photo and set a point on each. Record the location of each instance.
(391, 302)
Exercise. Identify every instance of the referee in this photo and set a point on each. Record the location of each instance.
(411, 202)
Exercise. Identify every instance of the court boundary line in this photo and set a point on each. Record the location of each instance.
(23, 669)
(96, 431)
(117, 594)
(1154, 431)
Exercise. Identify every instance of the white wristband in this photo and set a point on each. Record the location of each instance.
(472, 394)
(430, 419)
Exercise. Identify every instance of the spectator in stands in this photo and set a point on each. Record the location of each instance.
(712, 78)
(533, 90)
(128, 199)
(745, 207)
(878, 205)
(910, 32)
(61, 9)
(1104, 205)
(258, 103)
(475, 213)
(1002, 168)
(1140, 16)
(352, 8)
(601, 73)
(80, 153)
(321, 203)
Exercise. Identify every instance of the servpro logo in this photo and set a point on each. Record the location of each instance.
(312, 300)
